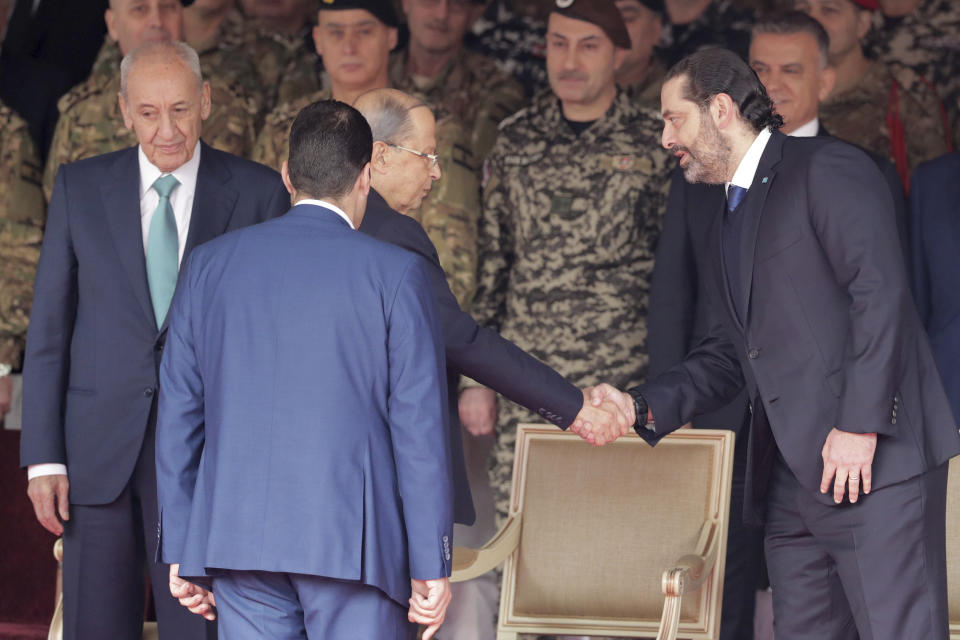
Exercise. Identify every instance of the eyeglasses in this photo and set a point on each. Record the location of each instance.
(432, 157)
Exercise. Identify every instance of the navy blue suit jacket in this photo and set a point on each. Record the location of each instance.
(93, 348)
(302, 423)
(474, 351)
(935, 233)
(831, 337)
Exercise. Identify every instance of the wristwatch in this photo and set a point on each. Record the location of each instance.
(5, 369)
(640, 409)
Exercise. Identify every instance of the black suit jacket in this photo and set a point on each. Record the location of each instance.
(678, 317)
(93, 348)
(831, 337)
(473, 350)
(935, 231)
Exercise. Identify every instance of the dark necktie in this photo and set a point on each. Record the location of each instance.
(732, 229)
(735, 196)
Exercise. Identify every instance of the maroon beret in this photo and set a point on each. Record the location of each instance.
(603, 13)
(872, 5)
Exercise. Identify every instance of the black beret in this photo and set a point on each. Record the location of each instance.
(381, 9)
(603, 13)
(656, 6)
(186, 3)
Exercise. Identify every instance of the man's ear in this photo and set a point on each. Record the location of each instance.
(619, 55)
(111, 19)
(365, 178)
(723, 111)
(285, 176)
(378, 159)
(317, 40)
(828, 78)
(206, 104)
(127, 120)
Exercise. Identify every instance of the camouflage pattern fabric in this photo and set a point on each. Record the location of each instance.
(303, 69)
(647, 93)
(927, 41)
(22, 216)
(859, 115)
(91, 124)
(471, 88)
(720, 25)
(449, 214)
(517, 43)
(566, 245)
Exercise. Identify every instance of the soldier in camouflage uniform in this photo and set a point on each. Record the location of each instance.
(867, 91)
(719, 24)
(516, 41)
(572, 206)
(22, 215)
(454, 81)
(450, 213)
(90, 121)
(642, 72)
(925, 36)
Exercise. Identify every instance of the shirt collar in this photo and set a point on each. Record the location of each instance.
(323, 203)
(808, 130)
(747, 169)
(186, 174)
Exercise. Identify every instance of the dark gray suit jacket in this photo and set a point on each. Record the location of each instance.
(831, 336)
(93, 348)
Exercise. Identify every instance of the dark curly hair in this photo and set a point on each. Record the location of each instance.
(713, 71)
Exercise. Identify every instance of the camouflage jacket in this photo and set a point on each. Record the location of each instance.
(567, 237)
(449, 214)
(859, 115)
(927, 41)
(647, 92)
(720, 25)
(471, 88)
(91, 124)
(22, 216)
(517, 43)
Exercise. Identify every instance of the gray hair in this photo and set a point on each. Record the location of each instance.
(388, 112)
(788, 23)
(164, 50)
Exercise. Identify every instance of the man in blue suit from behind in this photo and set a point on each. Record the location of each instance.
(303, 462)
(119, 226)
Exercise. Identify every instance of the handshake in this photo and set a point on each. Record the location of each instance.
(607, 414)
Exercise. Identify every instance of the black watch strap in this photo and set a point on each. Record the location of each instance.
(640, 408)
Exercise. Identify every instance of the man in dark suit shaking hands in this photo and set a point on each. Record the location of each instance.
(119, 226)
(810, 306)
(303, 460)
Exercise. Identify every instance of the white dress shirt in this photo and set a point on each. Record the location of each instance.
(323, 203)
(747, 169)
(181, 199)
(807, 130)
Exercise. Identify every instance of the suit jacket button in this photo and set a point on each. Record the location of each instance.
(753, 354)
(148, 392)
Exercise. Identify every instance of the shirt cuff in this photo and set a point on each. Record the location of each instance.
(49, 469)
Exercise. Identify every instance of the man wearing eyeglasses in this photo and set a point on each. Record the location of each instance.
(354, 38)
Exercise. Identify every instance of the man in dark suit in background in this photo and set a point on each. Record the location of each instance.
(809, 306)
(119, 225)
(307, 471)
(935, 233)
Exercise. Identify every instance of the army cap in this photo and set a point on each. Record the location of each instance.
(381, 9)
(871, 5)
(657, 6)
(603, 13)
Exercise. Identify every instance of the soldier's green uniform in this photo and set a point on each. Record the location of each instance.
(22, 215)
(567, 238)
(927, 41)
(859, 115)
(449, 214)
(471, 88)
(91, 123)
(302, 71)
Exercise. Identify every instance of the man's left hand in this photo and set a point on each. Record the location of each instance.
(847, 461)
(428, 604)
(194, 597)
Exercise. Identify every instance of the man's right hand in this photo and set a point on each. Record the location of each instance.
(478, 410)
(428, 604)
(49, 497)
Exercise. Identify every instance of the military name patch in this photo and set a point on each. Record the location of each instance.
(623, 163)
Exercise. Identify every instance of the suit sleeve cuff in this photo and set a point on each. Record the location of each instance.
(49, 469)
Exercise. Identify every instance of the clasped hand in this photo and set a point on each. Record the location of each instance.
(604, 416)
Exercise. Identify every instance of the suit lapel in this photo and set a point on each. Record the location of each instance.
(213, 204)
(753, 211)
(720, 270)
(121, 199)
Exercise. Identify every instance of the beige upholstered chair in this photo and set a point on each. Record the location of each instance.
(623, 540)
(953, 548)
(150, 631)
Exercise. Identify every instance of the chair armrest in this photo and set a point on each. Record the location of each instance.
(691, 570)
(471, 563)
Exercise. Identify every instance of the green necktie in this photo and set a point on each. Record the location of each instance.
(162, 250)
